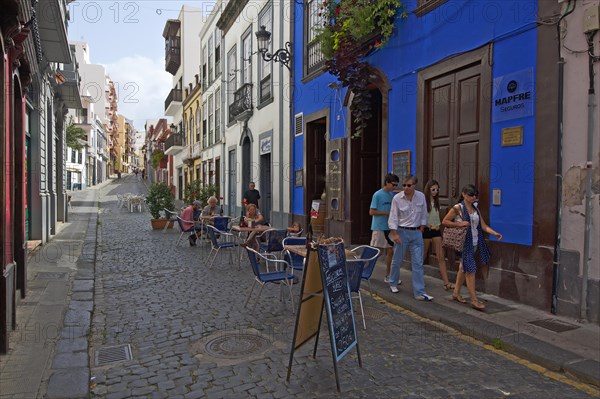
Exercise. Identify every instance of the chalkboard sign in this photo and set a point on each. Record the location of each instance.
(401, 163)
(338, 301)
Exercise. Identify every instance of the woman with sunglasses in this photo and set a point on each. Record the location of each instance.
(466, 215)
(432, 229)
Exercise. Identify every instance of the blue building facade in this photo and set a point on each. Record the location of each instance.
(463, 92)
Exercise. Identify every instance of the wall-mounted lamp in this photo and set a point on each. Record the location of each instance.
(283, 55)
(173, 128)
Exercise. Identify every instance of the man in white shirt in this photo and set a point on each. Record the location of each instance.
(408, 217)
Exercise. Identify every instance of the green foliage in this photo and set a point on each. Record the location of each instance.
(352, 29)
(196, 190)
(74, 134)
(157, 156)
(158, 198)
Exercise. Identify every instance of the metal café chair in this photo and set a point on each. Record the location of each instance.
(224, 240)
(191, 229)
(171, 216)
(273, 240)
(354, 269)
(369, 254)
(296, 261)
(283, 276)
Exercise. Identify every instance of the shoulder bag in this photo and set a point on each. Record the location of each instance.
(454, 237)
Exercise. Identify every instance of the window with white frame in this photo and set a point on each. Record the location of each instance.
(265, 68)
(204, 126)
(191, 126)
(217, 53)
(231, 78)
(204, 67)
(198, 131)
(245, 55)
(217, 114)
(211, 130)
(314, 59)
(210, 60)
(73, 156)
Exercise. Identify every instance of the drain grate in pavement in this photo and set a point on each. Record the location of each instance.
(236, 345)
(554, 325)
(113, 354)
(51, 275)
(373, 314)
(162, 272)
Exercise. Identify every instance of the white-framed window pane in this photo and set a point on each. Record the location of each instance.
(204, 126)
(245, 62)
(210, 120)
(265, 20)
(218, 114)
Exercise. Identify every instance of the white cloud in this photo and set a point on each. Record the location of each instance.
(142, 86)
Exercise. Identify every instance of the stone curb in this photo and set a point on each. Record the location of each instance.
(515, 342)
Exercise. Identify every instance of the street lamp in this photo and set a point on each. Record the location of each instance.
(173, 128)
(283, 55)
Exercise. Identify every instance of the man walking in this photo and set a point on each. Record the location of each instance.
(408, 217)
(380, 210)
(252, 195)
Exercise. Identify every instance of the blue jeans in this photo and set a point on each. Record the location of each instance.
(413, 241)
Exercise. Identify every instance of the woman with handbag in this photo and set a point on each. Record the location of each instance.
(431, 233)
(465, 215)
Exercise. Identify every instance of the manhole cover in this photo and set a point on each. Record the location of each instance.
(554, 325)
(51, 275)
(373, 314)
(113, 354)
(162, 272)
(236, 345)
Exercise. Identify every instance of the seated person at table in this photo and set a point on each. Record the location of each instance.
(294, 230)
(212, 209)
(187, 215)
(255, 218)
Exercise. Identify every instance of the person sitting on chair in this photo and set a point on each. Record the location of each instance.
(252, 219)
(187, 215)
(294, 230)
(212, 209)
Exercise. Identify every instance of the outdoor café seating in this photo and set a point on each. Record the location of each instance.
(219, 240)
(354, 269)
(273, 240)
(369, 254)
(280, 275)
(296, 261)
(191, 229)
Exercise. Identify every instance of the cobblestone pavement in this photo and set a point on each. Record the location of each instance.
(191, 337)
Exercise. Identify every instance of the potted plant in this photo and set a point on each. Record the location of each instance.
(159, 197)
(352, 29)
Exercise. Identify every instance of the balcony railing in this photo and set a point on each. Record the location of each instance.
(173, 144)
(174, 95)
(316, 59)
(241, 108)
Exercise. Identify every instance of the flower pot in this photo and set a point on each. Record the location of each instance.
(159, 224)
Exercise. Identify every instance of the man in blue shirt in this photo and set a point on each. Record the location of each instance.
(380, 210)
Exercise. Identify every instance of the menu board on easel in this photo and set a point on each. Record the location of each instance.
(338, 300)
(401, 163)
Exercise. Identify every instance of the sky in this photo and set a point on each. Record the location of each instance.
(126, 37)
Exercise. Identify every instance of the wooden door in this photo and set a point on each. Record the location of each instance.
(453, 130)
(365, 173)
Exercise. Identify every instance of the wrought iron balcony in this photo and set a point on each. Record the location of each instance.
(173, 144)
(241, 108)
(173, 100)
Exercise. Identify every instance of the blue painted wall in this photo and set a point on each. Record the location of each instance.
(456, 27)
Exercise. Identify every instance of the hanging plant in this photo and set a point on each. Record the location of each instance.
(351, 29)
(157, 157)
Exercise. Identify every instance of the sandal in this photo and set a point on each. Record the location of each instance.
(448, 287)
(478, 306)
(458, 298)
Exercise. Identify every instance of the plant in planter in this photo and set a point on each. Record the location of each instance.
(157, 156)
(351, 29)
(196, 190)
(158, 198)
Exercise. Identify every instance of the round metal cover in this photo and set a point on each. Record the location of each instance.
(162, 272)
(236, 345)
(373, 314)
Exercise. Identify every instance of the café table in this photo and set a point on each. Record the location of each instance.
(301, 250)
(247, 231)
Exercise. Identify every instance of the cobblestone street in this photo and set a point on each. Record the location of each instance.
(191, 336)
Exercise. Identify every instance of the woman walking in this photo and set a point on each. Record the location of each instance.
(466, 215)
(432, 230)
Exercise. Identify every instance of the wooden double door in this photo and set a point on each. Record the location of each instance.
(454, 128)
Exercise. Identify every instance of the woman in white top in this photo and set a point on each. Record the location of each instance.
(432, 230)
(466, 215)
